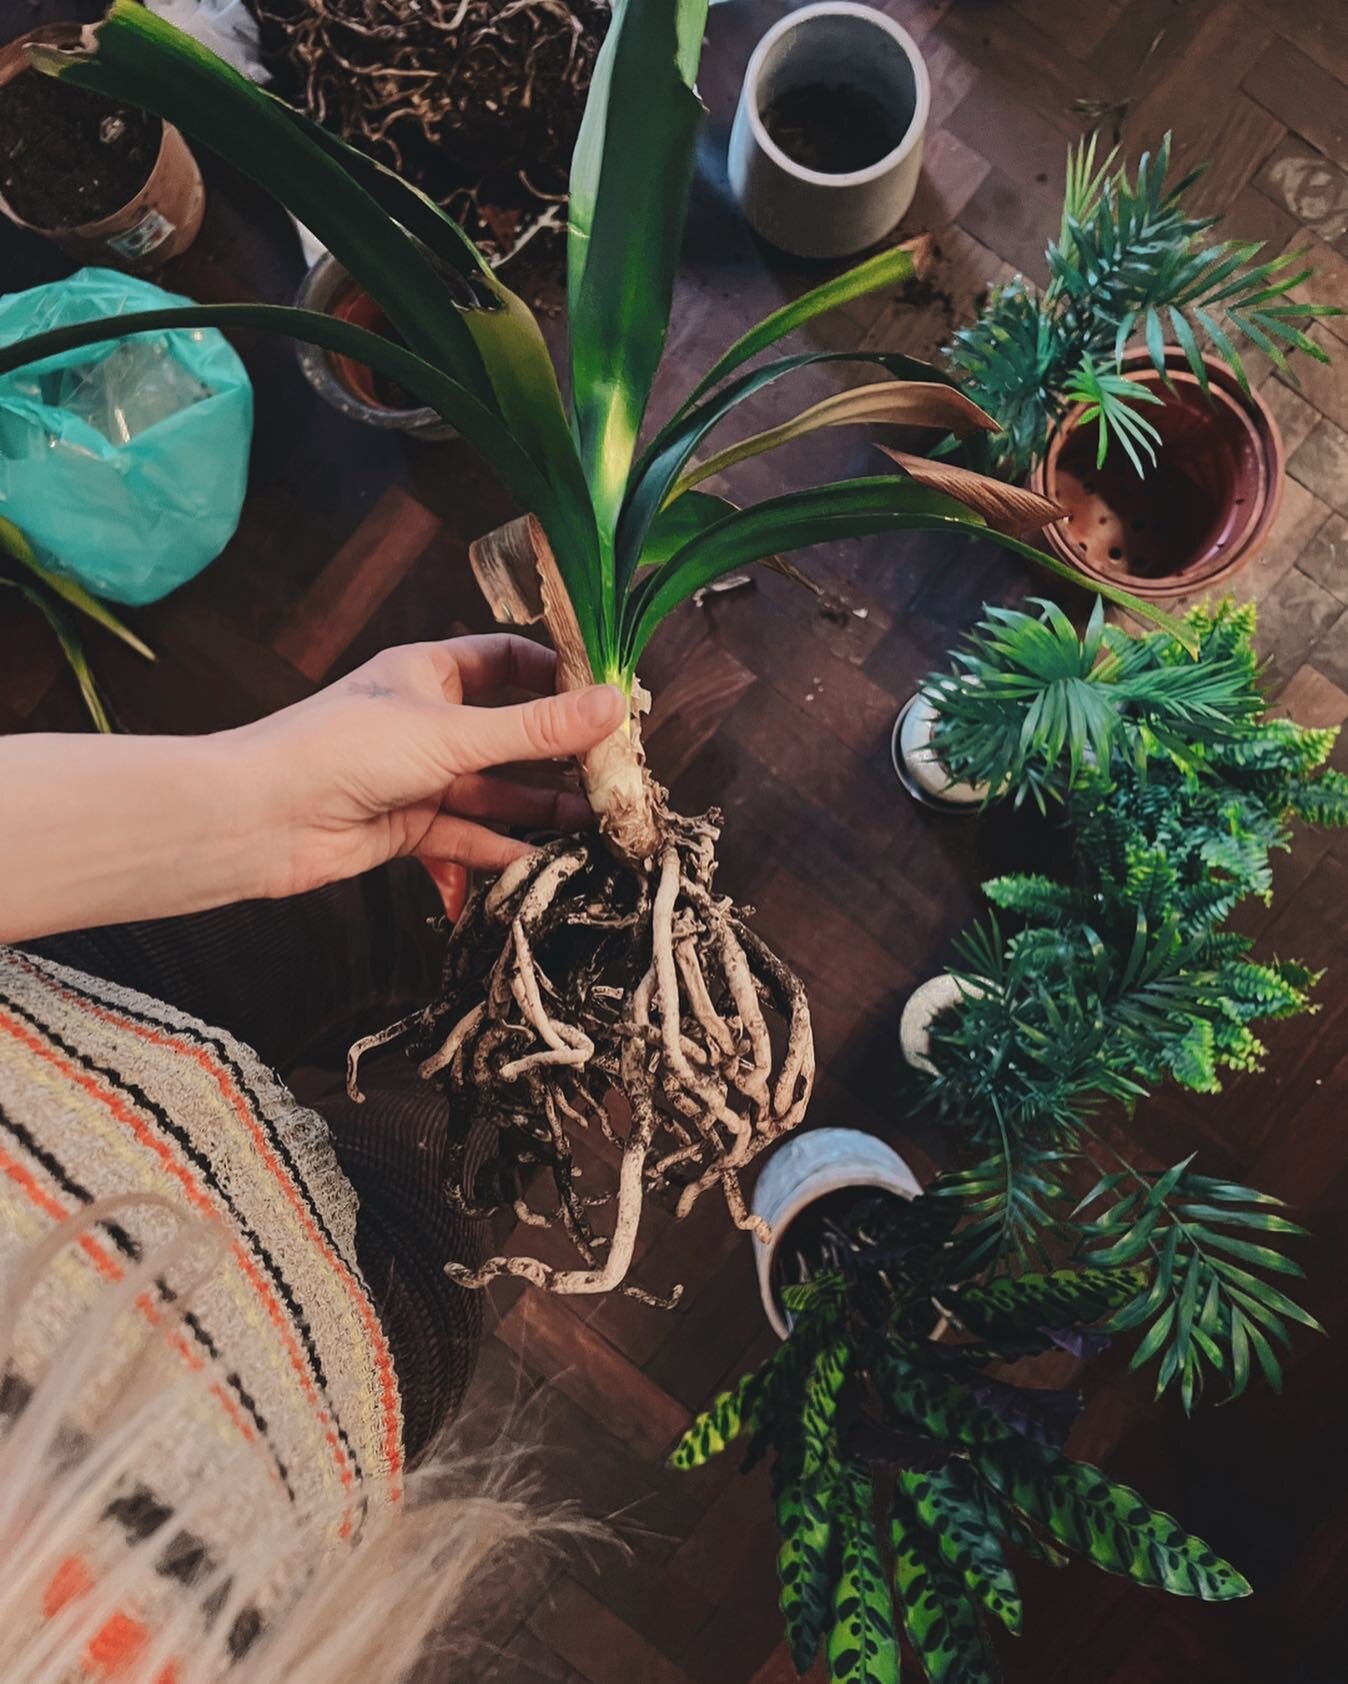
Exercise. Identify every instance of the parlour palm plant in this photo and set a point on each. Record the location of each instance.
(905, 1470)
(1121, 976)
(1128, 259)
(592, 967)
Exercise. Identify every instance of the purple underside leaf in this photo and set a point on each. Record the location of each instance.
(1088, 1342)
(1045, 1415)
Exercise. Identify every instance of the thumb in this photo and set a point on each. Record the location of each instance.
(546, 729)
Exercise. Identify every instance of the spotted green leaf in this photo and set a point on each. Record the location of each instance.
(729, 1415)
(948, 1503)
(862, 1647)
(822, 1390)
(1109, 1524)
(805, 1562)
(1011, 1305)
(942, 1622)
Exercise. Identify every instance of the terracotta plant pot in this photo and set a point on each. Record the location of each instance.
(157, 223)
(1196, 517)
(810, 1167)
(350, 386)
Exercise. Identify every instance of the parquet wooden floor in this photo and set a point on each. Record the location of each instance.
(779, 712)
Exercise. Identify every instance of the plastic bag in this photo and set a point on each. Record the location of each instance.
(124, 464)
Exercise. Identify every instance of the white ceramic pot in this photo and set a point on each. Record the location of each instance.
(807, 1168)
(919, 768)
(805, 211)
(924, 1004)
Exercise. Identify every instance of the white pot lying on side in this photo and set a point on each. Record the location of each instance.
(919, 768)
(806, 1169)
(923, 1005)
(810, 212)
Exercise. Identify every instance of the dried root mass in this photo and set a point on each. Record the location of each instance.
(477, 101)
(575, 981)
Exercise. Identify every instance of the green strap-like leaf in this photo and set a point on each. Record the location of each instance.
(942, 1620)
(630, 177)
(947, 1504)
(71, 647)
(846, 509)
(886, 268)
(1109, 1524)
(805, 1562)
(862, 1647)
(13, 542)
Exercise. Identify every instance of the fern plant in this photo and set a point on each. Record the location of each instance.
(1122, 976)
(1128, 259)
(880, 1407)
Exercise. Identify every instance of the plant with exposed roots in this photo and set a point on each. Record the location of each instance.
(603, 984)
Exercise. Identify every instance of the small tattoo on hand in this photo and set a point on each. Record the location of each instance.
(368, 687)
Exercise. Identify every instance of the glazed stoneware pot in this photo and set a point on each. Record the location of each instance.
(1197, 516)
(922, 1007)
(920, 769)
(350, 386)
(157, 223)
(812, 212)
(810, 1167)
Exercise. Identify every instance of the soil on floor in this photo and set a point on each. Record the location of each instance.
(68, 156)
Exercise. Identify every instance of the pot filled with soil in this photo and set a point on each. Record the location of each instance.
(1198, 515)
(827, 141)
(108, 183)
(810, 1185)
(349, 386)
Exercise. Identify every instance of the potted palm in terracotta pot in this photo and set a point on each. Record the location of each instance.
(1167, 463)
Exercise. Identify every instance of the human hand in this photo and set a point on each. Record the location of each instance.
(392, 760)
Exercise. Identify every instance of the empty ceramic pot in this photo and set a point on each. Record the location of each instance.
(827, 140)
(1196, 516)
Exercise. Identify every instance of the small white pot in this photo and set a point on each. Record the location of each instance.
(924, 1004)
(917, 765)
(805, 211)
(806, 1169)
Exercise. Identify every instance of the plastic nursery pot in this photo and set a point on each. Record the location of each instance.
(1195, 518)
(159, 220)
(826, 146)
(349, 386)
(922, 1007)
(918, 767)
(820, 1164)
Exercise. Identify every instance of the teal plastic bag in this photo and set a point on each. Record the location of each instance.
(123, 464)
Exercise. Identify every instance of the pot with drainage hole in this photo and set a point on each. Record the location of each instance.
(1201, 511)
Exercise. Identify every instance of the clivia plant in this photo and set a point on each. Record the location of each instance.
(1122, 976)
(880, 1407)
(610, 966)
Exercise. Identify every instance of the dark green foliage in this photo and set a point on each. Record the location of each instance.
(1127, 261)
(1121, 977)
(891, 1418)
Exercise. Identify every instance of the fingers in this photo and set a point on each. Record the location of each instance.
(475, 666)
(474, 796)
(547, 729)
(450, 840)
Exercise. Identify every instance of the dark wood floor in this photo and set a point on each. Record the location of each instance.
(780, 713)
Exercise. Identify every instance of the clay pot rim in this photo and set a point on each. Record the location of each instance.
(60, 35)
(1262, 426)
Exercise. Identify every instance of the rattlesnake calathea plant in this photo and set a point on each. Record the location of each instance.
(1128, 259)
(905, 1471)
(597, 966)
(1099, 986)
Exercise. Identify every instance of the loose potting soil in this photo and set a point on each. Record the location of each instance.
(831, 128)
(68, 156)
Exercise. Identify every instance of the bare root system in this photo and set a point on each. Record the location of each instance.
(582, 994)
(478, 101)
